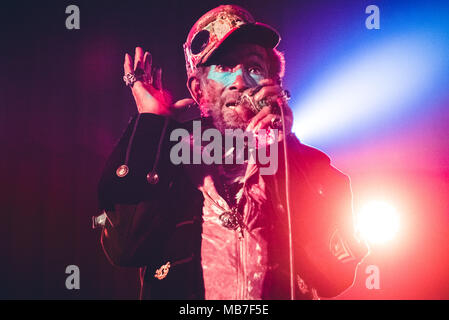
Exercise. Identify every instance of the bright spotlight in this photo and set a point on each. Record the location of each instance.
(371, 86)
(378, 222)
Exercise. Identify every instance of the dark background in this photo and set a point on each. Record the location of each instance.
(64, 105)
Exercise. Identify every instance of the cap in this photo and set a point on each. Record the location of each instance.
(220, 25)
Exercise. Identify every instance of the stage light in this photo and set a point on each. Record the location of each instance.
(372, 86)
(377, 222)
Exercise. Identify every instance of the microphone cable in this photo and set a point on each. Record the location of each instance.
(280, 102)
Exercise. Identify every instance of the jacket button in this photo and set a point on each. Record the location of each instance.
(122, 171)
(152, 178)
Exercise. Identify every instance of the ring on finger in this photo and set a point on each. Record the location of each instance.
(131, 77)
(276, 122)
(262, 103)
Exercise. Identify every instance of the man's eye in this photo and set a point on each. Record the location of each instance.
(255, 70)
(222, 68)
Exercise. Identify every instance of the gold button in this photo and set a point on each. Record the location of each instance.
(122, 171)
(152, 178)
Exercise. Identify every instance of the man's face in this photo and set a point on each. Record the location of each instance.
(238, 68)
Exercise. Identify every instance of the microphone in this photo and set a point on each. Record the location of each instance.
(247, 98)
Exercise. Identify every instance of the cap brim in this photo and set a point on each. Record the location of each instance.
(256, 33)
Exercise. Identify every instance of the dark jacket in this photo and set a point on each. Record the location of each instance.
(155, 221)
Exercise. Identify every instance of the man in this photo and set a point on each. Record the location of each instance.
(225, 230)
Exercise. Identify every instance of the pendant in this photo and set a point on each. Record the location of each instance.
(230, 220)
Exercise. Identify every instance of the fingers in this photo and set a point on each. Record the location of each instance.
(157, 78)
(260, 115)
(147, 62)
(268, 91)
(270, 94)
(128, 64)
(183, 103)
(143, 62)
(263, 119)
(265, 122)
(264, 133)
(138, 58)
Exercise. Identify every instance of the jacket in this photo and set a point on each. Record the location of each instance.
(154, 218)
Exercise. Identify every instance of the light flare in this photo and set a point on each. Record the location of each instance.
(378, 222)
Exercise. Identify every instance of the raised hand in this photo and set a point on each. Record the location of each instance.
(148, 92)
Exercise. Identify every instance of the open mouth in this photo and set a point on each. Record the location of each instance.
(231, 104)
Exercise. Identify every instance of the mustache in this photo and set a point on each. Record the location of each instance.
(245, 98)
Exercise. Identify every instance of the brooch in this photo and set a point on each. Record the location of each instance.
(162, 272)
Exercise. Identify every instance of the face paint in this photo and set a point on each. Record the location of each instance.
(227, 78)
(257, 77)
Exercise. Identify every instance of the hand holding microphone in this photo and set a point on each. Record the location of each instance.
(266, 101)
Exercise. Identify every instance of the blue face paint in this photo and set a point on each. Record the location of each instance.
(257, 77)
(227, 78)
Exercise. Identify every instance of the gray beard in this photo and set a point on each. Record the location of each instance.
(222, 116)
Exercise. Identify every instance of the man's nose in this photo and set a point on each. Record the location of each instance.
(240, 83)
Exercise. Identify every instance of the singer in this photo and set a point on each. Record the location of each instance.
(225, 231)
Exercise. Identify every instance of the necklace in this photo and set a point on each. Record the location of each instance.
(232, 219)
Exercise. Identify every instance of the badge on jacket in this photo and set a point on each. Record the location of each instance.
(162, 272)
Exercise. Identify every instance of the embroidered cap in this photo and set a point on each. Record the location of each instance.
(220, 25)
